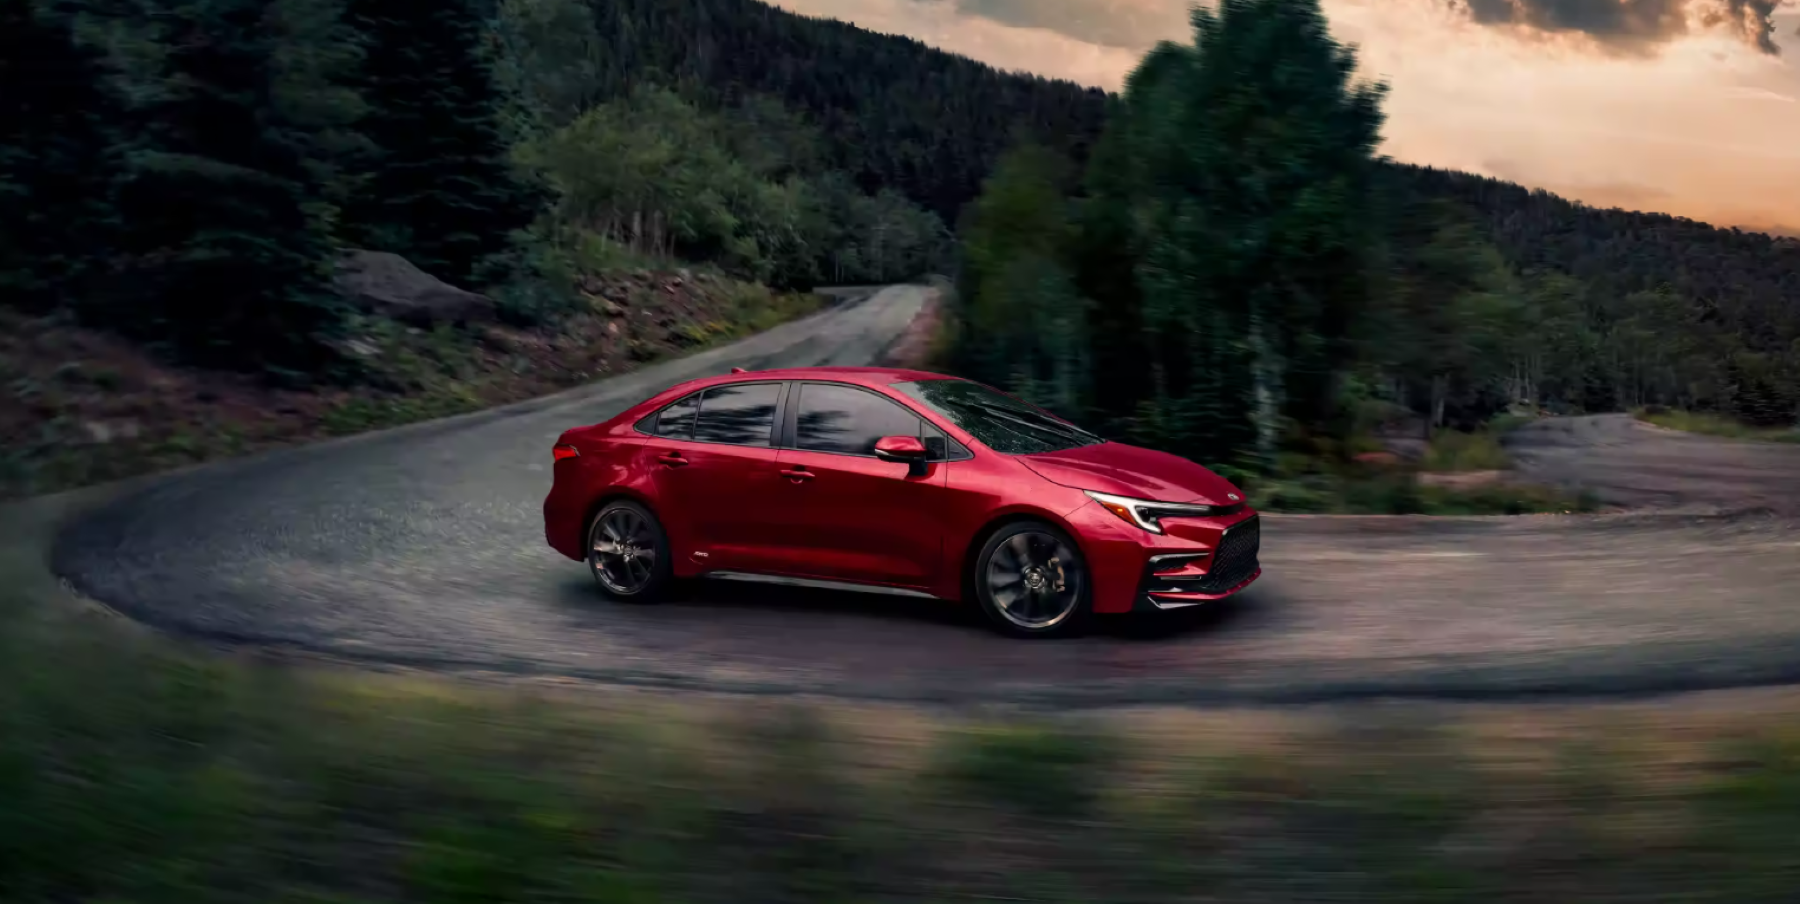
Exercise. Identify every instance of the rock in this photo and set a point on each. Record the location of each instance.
(361, 348)
(1407, 448)
(107, 431)
(1461, 480)
(390, 286)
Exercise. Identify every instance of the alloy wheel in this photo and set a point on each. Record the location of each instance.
(1035, 580)
(623, 551)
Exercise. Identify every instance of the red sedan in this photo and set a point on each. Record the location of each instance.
(896, 480)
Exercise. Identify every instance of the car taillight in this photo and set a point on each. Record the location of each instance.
(561, 451)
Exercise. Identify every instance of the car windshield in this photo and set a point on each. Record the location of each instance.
(999, 421)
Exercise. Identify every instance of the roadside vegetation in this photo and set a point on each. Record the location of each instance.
(1119, 290)
(1713, 424)
(232, 224)
(563, 144)
(133, 771)
(86, 407)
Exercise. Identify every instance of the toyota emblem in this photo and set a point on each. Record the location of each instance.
(1231, 496)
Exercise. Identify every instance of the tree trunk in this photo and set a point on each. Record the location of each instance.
(1266, 373)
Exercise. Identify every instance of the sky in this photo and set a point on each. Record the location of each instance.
(1689, 107)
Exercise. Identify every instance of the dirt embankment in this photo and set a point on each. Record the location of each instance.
(84, 406)
(918, 344)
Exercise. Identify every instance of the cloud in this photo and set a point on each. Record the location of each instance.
(1134, 24)
(1754, 93)
(1620, 25)
(1696, 129)
(1634, 24)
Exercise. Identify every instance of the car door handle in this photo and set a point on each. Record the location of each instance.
(672, 459)
(797, 474)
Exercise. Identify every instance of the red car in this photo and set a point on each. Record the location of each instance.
(896, 480)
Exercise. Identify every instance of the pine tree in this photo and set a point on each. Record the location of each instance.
(227, 226)
(57, 159)
(441, 189)
(1253, 180)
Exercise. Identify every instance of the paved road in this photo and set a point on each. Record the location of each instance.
(1631, 463)
(423, 547)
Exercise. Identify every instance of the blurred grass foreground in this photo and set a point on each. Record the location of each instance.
(135, 771)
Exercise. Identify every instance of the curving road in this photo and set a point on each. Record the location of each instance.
(423, 547)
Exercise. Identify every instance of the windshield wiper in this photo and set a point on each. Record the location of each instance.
(1054, 428)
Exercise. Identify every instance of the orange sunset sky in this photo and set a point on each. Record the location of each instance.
(1686, 106)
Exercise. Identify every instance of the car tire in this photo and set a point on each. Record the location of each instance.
(1031, 580)
(638, 566)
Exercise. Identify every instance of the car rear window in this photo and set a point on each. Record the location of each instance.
(677, 420)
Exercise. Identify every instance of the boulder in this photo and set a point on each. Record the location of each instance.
(390, 286)
(1462, 480)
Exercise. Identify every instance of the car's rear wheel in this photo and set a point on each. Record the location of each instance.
(1031, 581)
(628, 552)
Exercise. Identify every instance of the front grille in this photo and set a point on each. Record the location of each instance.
(1234, 561)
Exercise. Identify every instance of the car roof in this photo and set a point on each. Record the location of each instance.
(865, 376)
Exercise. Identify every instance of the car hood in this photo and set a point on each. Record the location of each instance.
(1133, 471)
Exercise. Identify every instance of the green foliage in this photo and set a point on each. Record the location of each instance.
(1232, 191)
(894, 114)
(1232, 251)
(57, 157)
(1045, 771)
(187, 173)
(134, 773)
(1715, 425)
(549, 64)
(1023, 323)
(1251, 281)
(1454, 450)
(440, 188)
(660, 178)
(1350, 491)
(227, 239)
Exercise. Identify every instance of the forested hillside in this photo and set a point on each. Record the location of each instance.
(1630, 308)
(189, 175)
(1235, 274)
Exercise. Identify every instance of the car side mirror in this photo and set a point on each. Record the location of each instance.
(908, 449)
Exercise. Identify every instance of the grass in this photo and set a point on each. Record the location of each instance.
(755, 308)
(1454, 450)
(133, 771)
(1357, 491)
(1321, 482)
(1715, 425)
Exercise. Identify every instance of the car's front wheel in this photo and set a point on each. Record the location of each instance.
(1031, 581)
(628, 552)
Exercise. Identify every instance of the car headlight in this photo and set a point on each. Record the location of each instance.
(1145, 513)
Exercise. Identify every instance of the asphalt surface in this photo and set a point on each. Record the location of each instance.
(423, 547)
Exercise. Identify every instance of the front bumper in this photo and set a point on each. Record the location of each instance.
(1186, 579)
(1198, 560)
(1183, 580)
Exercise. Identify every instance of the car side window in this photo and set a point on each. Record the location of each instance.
(677, 420)
(850, 421)
(739, 414)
